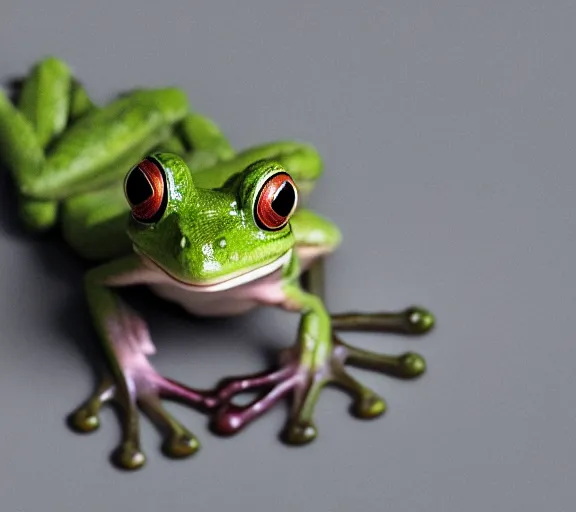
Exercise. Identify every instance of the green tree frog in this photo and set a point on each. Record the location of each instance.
(153, 194)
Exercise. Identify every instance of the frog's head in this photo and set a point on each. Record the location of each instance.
(214, 238)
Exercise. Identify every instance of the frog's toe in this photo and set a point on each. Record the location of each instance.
(411, 365)
(367, 404)
(300, 432)
(405, 366)
(419, 320)
(414, 320)
(229, 420)
(178, 441)
(128, 456)
(179, 446)
(86, 417)
(83, 420)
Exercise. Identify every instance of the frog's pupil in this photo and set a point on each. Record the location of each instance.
(284, 198)
(138, 188)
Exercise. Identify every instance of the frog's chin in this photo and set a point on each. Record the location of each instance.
(226, 282)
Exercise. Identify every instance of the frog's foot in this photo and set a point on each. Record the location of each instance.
(134, 384)
(303, 376)
(144, 390)
(413, 321)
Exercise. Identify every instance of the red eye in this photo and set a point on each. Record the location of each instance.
(144, 188)
(276, 201)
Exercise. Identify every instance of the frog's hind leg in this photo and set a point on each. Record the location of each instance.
(48, 100)
(203, 141)
(301, 160)
(212, 160)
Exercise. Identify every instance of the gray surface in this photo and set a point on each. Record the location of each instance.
(448, 134)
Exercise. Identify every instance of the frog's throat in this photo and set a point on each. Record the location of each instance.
(222, 283)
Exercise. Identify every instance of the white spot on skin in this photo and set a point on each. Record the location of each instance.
(183, 242)
(210, 264)
(207, 250)
(222, 243)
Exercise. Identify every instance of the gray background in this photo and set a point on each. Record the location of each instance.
(447, 130)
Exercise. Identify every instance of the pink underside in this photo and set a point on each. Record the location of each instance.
(266, 290)
(130, 336)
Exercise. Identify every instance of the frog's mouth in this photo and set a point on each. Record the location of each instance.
(221, 283)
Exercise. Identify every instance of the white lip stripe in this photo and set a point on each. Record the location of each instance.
(233, 282)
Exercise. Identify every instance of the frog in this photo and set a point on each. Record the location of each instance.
(214, 231)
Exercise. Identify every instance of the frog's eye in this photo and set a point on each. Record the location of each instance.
(276, 202)
(145, 191)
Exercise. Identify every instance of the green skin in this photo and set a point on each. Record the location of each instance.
(207, 251)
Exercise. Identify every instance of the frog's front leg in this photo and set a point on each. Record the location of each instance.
(132, 382)
(317, 360)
